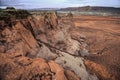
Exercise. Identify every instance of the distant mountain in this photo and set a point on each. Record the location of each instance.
(44, 9)
(92, 8)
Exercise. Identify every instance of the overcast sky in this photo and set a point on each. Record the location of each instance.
(58, 3)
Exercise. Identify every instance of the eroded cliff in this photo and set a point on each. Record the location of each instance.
(23, 42)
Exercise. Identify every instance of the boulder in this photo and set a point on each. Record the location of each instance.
(100, 70)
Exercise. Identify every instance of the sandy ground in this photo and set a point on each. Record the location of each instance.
(103, 39)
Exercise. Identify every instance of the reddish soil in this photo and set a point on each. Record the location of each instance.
(103, 39)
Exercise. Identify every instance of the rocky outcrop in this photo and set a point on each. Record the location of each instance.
(60, 42)
(58, 70)
(56, 36)
(15, 39)
(75, 64)
(17, 67)
(26, 44)
(100, 70)
(70, 75)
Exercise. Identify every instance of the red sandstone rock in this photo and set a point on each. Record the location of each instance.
(70, 75)
(14, 67)
(58, 70)
(100, 70)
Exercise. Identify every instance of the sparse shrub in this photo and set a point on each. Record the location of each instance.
(0, 10)
(5, 16)
(10, 8)
(21, 14)
(11, 12)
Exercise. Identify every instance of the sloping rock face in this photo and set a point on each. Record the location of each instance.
(35, 47)
(56, 36)
(17, 39)
(60, 42)
(100, 70)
